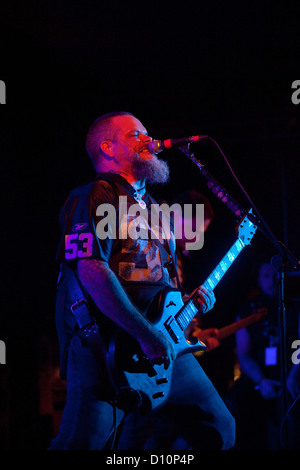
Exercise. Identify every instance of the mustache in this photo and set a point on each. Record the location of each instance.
(153, 170)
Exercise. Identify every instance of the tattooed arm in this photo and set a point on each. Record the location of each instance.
(109, 296)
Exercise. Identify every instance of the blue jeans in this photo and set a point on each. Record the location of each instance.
(194, 416)
(194, 411)
(88, 421)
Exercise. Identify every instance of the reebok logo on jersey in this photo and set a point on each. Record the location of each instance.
(77, 227)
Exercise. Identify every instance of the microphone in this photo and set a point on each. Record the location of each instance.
(156, 146)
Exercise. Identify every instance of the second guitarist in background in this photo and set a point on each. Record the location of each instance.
(120, 276)
(254, 398)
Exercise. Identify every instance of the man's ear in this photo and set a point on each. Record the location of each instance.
(105, 146)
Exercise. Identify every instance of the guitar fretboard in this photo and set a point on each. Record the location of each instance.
(187, 313)
(225, 263)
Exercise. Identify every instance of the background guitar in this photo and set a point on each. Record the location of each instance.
(220, 334)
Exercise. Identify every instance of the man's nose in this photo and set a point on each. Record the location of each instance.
(145, 138)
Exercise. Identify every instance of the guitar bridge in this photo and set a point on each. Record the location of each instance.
(171, 326)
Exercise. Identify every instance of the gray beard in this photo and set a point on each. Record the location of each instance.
(154, 171)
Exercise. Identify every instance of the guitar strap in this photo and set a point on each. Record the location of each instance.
(172, 263)
(88, 329)
(123, 397)
(179, 285)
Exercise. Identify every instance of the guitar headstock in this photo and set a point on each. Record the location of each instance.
(246, 229)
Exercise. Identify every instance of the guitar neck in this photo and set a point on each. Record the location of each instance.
(225, 263)
(187, 313)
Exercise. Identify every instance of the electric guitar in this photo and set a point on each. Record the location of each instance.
(129, 367)
(228, 330)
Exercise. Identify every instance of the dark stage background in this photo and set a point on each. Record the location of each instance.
(183, 68)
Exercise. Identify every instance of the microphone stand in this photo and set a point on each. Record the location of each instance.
(284, 262)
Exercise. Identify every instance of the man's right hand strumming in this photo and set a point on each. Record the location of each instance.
(158, 348)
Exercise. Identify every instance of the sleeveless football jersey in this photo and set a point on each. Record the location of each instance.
(103, 220)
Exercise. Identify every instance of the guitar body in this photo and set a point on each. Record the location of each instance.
(132, 370)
